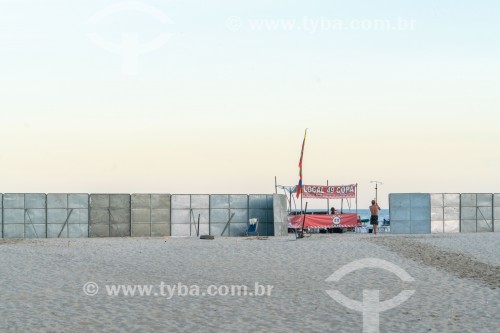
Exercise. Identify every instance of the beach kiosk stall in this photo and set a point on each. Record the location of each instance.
(332, 220)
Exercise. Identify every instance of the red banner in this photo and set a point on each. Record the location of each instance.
(324, 221)
(329, 192)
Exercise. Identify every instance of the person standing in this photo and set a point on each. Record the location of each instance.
(374, 209)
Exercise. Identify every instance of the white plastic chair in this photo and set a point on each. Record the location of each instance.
(253, 225)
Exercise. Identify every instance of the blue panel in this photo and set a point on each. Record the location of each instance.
(420, 227)
(57, 200)
(237, 229)
(398, 200)
(13, 200)
(468, 200)
(485, 199)
(238, 201)
(400, 226)
(219, 215)
(468, 213)
(258, 201)
(35, 200)
(78, 200)
(219, 201)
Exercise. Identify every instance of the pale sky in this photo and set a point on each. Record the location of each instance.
(214, 96)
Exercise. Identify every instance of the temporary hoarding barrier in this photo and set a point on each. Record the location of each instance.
(71, 215)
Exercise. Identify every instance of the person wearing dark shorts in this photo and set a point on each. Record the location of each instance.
(374, 209)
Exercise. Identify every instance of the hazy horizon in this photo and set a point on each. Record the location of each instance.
(196, 97)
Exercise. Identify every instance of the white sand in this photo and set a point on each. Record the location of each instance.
(41, 284)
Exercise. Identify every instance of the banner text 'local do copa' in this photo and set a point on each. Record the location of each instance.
(329, 192)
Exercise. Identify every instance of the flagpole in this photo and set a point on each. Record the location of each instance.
(301, 184)
(327, 201)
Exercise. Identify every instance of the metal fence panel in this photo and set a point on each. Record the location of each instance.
(420, 213)
(140, 215)
(13, 200)
(181, 215)
(468, 213)
(35, 221)
(476, 207)
(237, 229)
(484, 225)
(240, 215)
(437, 213)
(13, 215)
(219, 201)
(67, 215)
(496, 212)
(185, 211)
(484, 213)
(150, 215)
(484, 199)
(468, 225)
(200, 201)
(24, 215)
(451, 226)
(110, 215)
(1, 215)
(238, 201)
(13, 230)
(280, 217)
(411, 212)
(437, 200)
(217, 228)
(451, 199)
(468, 200)
(401, 227)
(452, 219)
(78, 200)
(437, 227)
(399, 207)
(259, 201)
(179, 230)
(35, 200)
(181, 201)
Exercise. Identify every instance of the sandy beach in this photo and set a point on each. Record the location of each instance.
(45, 283)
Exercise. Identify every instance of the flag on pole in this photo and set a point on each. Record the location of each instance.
(299, 186)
